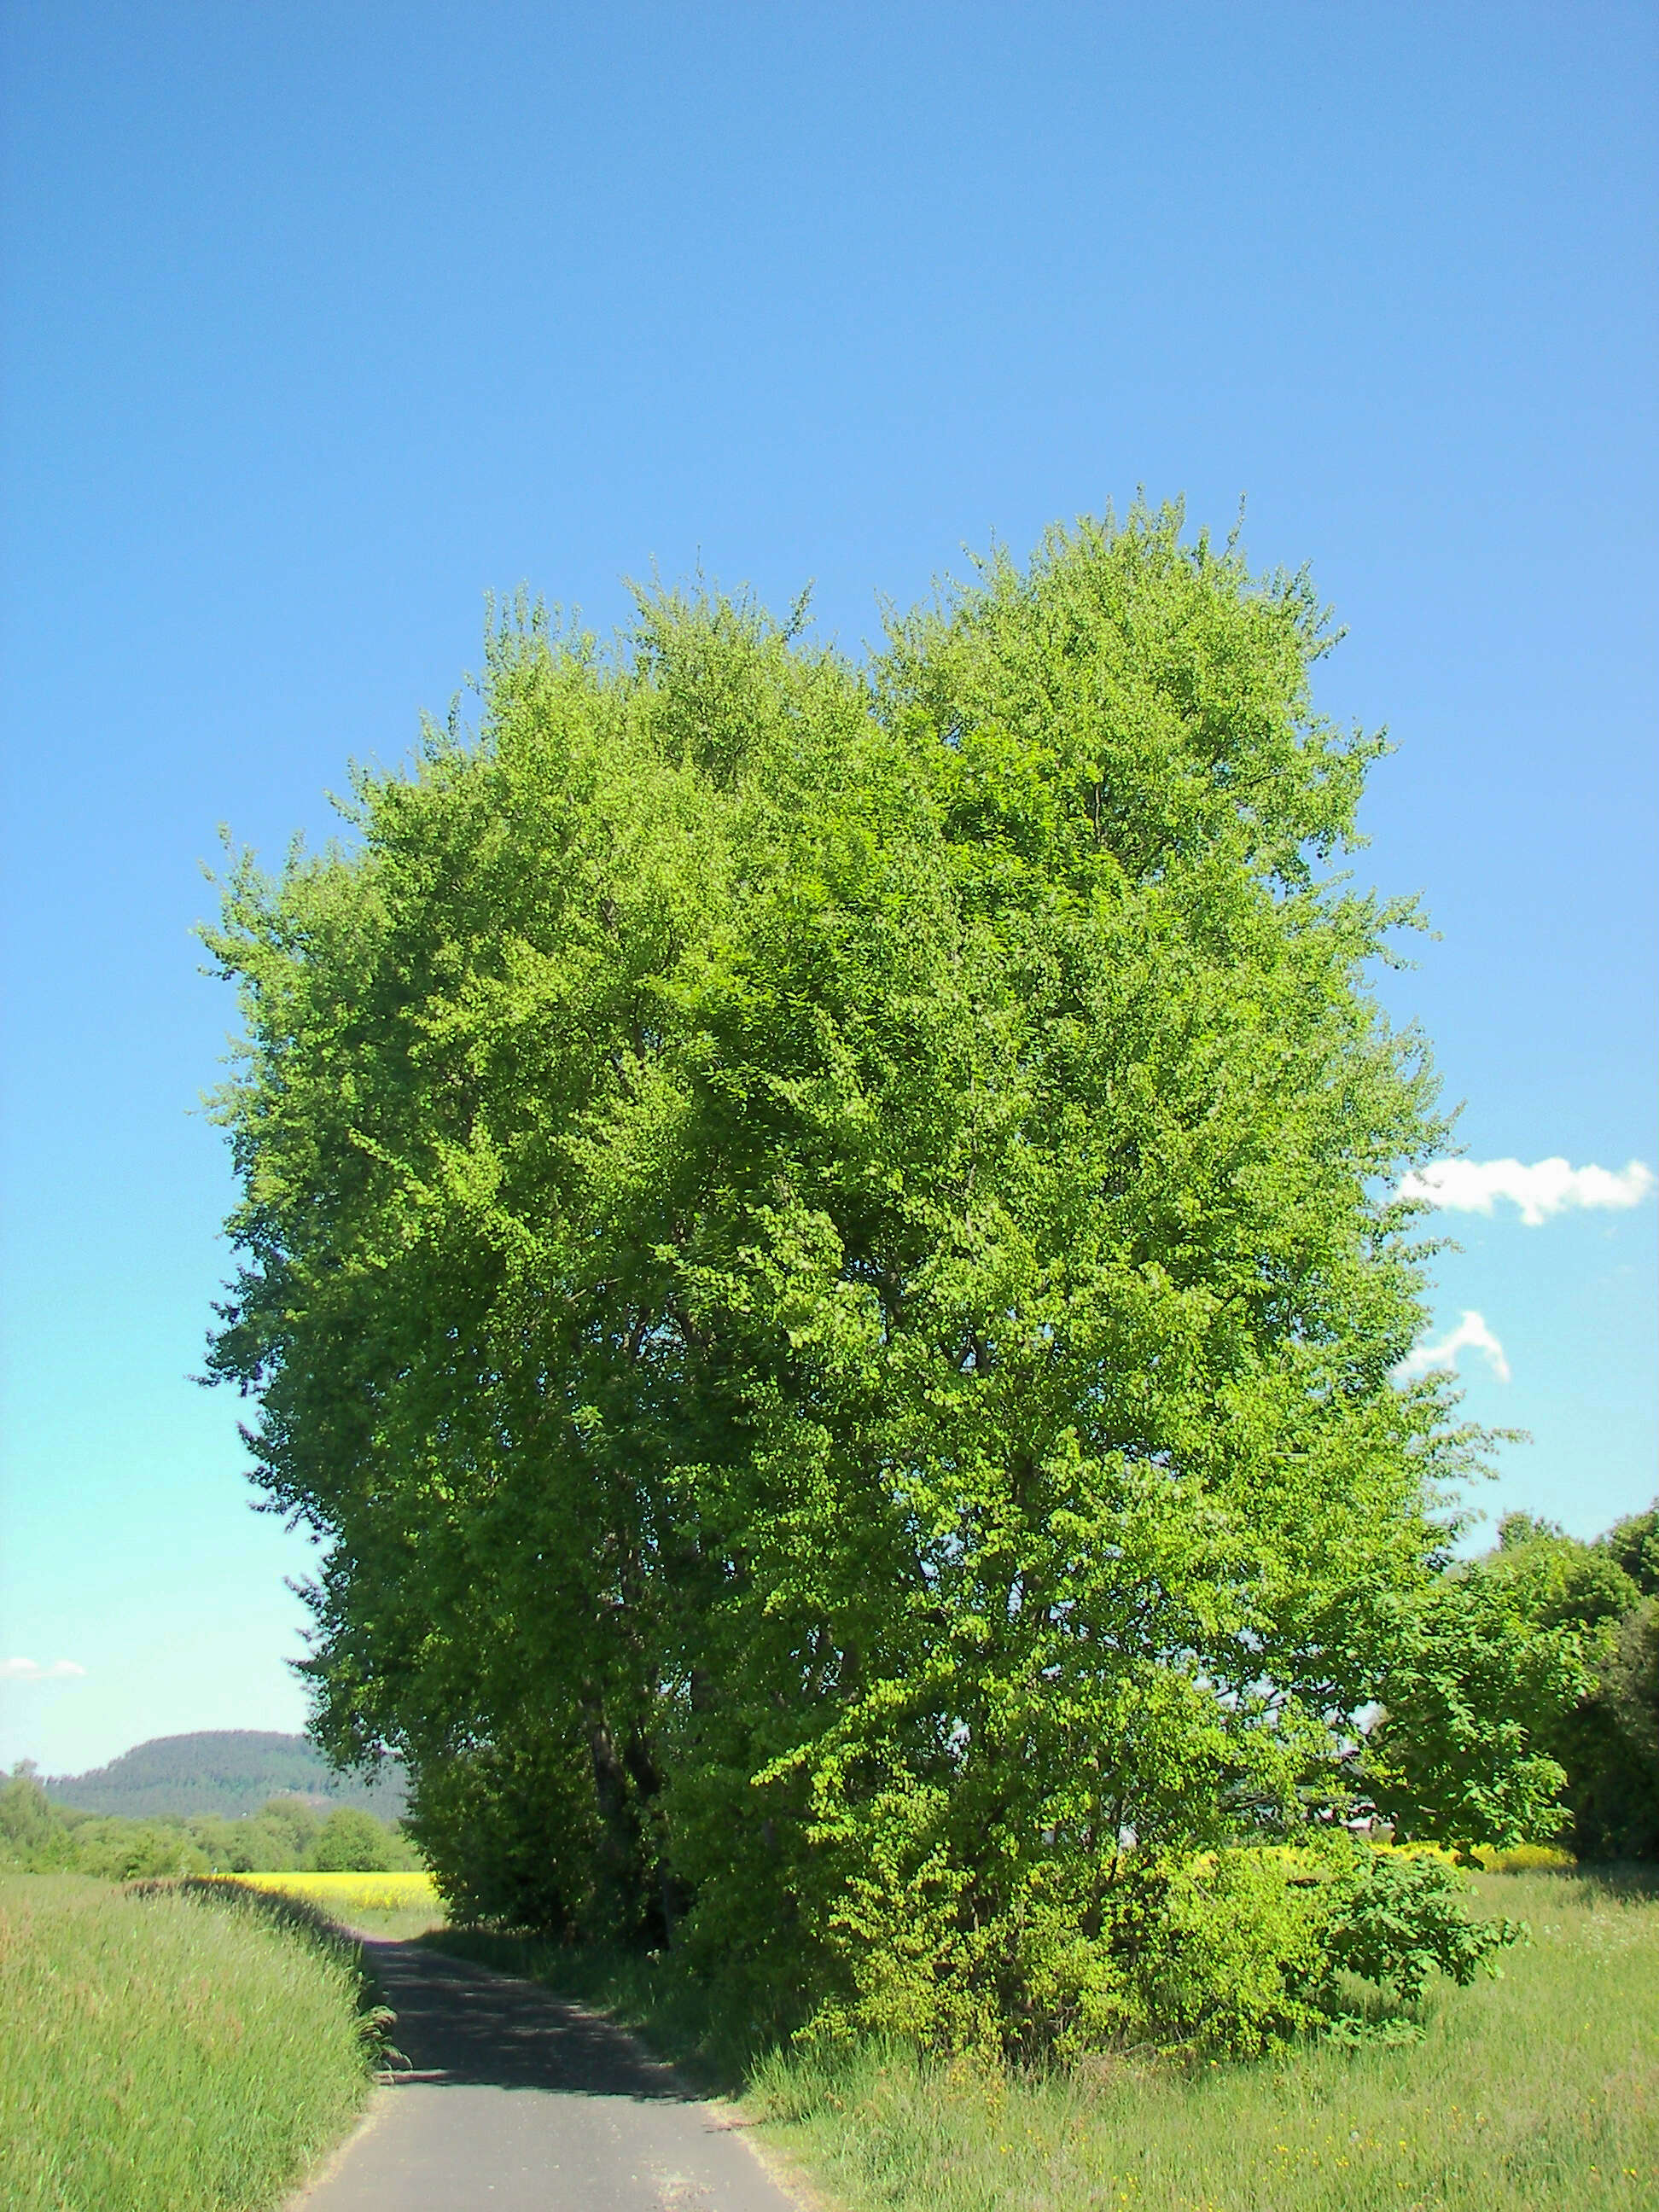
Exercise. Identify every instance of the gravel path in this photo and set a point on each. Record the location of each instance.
(515, 2099)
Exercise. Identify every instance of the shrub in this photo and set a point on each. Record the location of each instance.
(1232, 1952)
(1234, 1957)
(1400, 1918)
(118, 1850)
(352, 1842)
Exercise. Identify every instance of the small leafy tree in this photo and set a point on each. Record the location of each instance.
(351, 1842)
(817, 1251)
(121, 1850)
(33, 1835)
(1403, 1920)
(1475, 1686)
(293, 1823)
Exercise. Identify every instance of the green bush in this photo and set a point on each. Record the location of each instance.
(1232, 1952)
(509, 1833)
(1403, 1919)
(118, 1850)
(1555, 1644)
(33, 1836)
(352, 1842)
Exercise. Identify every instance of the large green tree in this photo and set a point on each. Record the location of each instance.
(819, 1254)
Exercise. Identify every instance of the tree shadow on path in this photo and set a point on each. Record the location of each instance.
(462, 2023)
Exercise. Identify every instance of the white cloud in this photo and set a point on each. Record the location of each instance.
(1547, 1187)
(30, 1670)
(1470, 1334)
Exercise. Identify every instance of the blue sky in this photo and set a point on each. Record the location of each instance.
(320, 322)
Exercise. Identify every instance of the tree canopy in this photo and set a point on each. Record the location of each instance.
(224, 1771)
(819, 1252)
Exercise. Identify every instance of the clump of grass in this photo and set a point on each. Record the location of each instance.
(159, 2052)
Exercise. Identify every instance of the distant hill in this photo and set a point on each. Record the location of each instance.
(230, 1772)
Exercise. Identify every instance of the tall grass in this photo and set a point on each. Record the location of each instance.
(168, 2052)
(1537, 2093)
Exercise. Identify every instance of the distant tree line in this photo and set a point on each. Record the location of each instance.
(38, 1836)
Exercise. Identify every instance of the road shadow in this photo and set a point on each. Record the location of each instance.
(462, 2024)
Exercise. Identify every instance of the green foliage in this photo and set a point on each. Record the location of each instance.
(812, 1250)
(511, 1833)
(1634, 1546)
(1610, 1746)
(1233, 1956)
(1243, 1949)
(285, 1829)
(350, 1843)
(30, 1836)
(159, 2055)
(1232, 1952)
(1474, 1686)
(40, 1836)
(1535, 1668)
(1403, 1920)
(129, 1851)
(1609, 1743)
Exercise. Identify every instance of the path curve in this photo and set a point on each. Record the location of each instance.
(516, 2101)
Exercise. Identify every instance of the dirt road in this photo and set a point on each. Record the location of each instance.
(516, 2100)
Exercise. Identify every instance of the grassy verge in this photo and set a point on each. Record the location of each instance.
(1539, 2091)
(165, 2053)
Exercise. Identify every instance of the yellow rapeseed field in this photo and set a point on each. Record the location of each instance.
(346, 1894)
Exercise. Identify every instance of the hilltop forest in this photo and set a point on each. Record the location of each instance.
(224, 1773)
(819, 1246)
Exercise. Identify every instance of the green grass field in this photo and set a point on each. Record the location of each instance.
(163, 2053)
(1537, 2092)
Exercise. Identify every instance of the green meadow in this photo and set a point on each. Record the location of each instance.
(1541, 2091)
(168, 2051)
